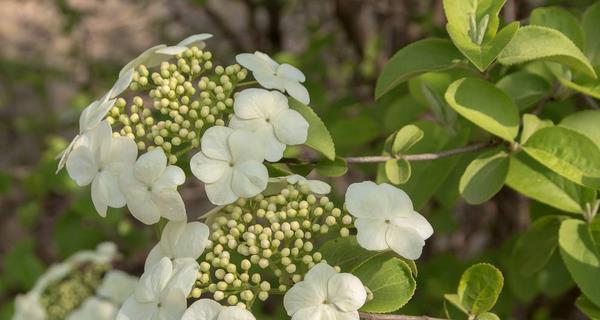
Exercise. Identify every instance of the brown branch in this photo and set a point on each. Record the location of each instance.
(373, 316)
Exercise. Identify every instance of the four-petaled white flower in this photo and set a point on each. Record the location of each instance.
(325, 294)
(268, 114)
(206, 309)
(117, 286)
(161, 292)
(385, 219)
(196, 40)
(179, 240)
(89, 119)
(94, 309)
(100, 161)
(272, 75)
(150, 188)
(230, 164)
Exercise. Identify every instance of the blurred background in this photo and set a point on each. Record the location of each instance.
(56, 56)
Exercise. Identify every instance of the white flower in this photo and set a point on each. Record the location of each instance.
(230, 164)
(105, 253)
(272, 75)
(325, 295)
(179, 240)
(94, 309)
(150, 58)
(117, 286)
(161, 292)
(268, 114)
(151, 188)
(89, 119)
(196, 40)
(385, 219)
(206, 309)
(99, 162)
(28, 307)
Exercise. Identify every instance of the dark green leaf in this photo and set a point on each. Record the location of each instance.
(336, 168)
(524, 88)
(559, 19)
(484, 177)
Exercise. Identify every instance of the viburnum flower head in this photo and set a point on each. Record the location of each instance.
(206, 309)
(161, 292)
(179, 240)
(385, 219)
(100, 161)
(230, 164)
(150, 188)
(89, 119)
(325, 294)
(272, 75)
(268, 114)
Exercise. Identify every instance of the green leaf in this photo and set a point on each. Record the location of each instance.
(488, 316)
(472, 26)
(580, 249)
(397, 171)
(591, 24)
(531, 124)
(350, 133)
(346, 253)
(328, 168)
(586, 306)
(535, 43)
(480, 287)
(416, 58)
(21, 267)
(568, 153)
(530, 178)
(400, 111)
(484, 176)
(391, 282)
(559, 19)
(586, 122)
(453, 309)
(405, 138)
(319, 137)
(485, 105)
(535, 247)
(582, 84)
(524, 88)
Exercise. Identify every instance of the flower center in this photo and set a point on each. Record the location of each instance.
(268, 120)
(388, 221)
(231, 164)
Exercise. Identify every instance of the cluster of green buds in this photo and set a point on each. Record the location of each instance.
(61, 298)
(174, 104)
(264, 245)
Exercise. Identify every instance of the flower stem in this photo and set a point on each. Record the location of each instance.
(246, 83)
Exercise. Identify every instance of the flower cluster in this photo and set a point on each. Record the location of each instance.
(82, 287)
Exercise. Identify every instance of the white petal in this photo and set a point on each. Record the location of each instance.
(319, 187)
(346, 292)
(134, 310)
(203, 309)
(192, 241)
(400, 202)
(153, 281)
(150, 166)
(117, 286)
(320, 274)
(106, 192)
(220, 192)
(171, 50)
(351, 315)
(172, 177)
(94, 308)
(235, 313)
(170, 204)
(141, 206)
(154, 256)
(304, 295)
(141, 59)
(245, 146)
(249, 179)
(290, 72)
(82, 166)
(64, 155)
(269, 81)
(173, 306)
(94, 113)
(184, 275)
(273, 146)
(122, 155)
(121, 84)
(257, 62)
(371, 233)
(259, 104)
(206, 169)
(195, 40)
(406, 242)
(319, 312)
(215, 143)
(297, 91)
(366, 200)
(290, 127)
(417, 222)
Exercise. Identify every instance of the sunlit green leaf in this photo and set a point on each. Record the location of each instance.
(318, 134)
(480, 287)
